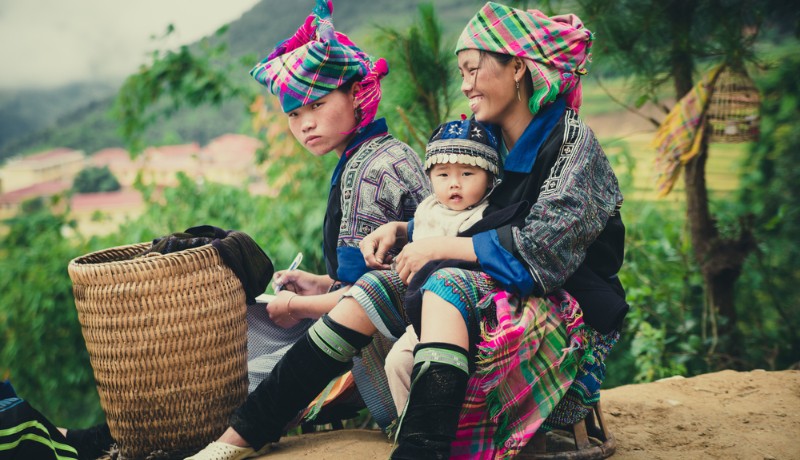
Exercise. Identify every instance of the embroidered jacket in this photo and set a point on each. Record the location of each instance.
(377, 180)
(559, 167)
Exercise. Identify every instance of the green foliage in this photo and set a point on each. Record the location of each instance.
(648, 347)
(657, 41)
(42, 351)
(95, 179)
(282, 225)
(423, 66)
(770, 193)
(662, 43)
(174, 79)
(663, 333)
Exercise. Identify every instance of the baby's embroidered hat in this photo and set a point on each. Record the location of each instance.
(464, 141)
(317, 60)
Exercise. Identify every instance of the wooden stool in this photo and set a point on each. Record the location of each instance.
(589, 439)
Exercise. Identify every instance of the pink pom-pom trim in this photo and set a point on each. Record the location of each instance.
(369, 96)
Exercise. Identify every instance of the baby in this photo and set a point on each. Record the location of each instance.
(462, 163)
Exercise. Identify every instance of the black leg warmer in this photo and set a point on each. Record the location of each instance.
(90, 442)
(430, 421)
(325, 352)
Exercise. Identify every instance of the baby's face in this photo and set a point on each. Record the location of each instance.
(458, 186)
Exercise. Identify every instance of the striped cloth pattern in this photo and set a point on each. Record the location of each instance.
(461, 288)
(309, 72)
(585, 390)
(313, 62)
(317, 60)
(555, 49)
(523, 382)
(381, 294)
(680, 135)
(371, 380)
(518, 383)
(26, 434)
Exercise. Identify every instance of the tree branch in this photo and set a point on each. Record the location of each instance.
(652, 120)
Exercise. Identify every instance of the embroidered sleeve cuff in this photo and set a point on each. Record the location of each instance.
(351, 264)
(501, 264)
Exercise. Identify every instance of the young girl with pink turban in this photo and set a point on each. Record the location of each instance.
(330, 90)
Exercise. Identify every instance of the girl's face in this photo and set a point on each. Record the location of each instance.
(326, 124)
(458, 186)
(488, 84)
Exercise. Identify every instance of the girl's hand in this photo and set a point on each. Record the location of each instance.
(301, 282)
(279, 311)
(376, 246)
(415, 255)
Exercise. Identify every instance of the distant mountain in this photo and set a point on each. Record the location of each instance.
(77, 116)
(25, 112)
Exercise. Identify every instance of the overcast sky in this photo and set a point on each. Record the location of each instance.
(54, 42)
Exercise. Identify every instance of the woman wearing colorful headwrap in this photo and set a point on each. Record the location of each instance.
(539, 365)
(539, 351)
(330, 91)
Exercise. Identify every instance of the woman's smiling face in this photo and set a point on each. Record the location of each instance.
(488, 84)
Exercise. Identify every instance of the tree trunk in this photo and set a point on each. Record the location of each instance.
(720, 259)
(681, 13)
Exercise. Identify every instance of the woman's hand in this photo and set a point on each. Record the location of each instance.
(416, 254)
(301, 282)
(279, 310)
(376, 246)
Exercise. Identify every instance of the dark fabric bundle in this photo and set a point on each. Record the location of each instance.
(237, 249)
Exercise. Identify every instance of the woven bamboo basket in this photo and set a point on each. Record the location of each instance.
(733, 111)
(167, 340)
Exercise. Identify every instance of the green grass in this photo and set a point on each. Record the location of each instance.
(633, 158)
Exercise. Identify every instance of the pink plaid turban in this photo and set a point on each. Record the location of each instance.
(555, 49)
(317, 60)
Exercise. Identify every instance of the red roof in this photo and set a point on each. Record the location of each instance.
(180, 150)
(42, 189)
(110, 156)
(234, 142)
(104, 200)
(47, 156)
(232, 147)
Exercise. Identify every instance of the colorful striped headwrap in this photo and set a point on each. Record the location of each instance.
(555, 49)
(317, 60)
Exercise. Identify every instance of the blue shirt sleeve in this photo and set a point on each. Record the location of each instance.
(410, 229)
(501, 264)
(351, 264)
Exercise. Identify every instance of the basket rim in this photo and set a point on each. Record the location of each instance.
(80, 261)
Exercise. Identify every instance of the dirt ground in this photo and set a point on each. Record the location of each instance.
(724, 415)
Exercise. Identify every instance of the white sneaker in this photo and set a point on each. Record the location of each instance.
(224, 451)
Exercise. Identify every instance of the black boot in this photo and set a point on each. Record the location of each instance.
(324, 352)
(90, 442)
(438, 386)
